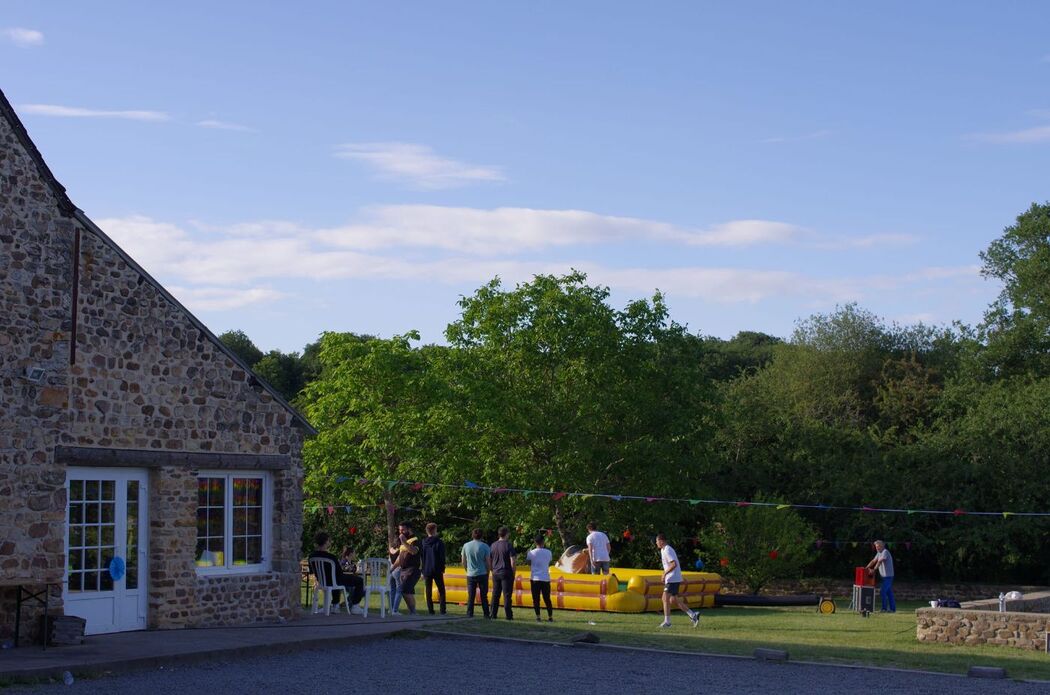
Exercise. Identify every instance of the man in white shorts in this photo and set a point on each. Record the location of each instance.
(598, 548)
(672, 581)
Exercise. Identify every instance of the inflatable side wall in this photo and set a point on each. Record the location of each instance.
(595, 592)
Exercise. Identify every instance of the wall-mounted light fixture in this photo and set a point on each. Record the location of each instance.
(35, 375)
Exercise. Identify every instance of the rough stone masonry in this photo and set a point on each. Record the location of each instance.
(126, 371)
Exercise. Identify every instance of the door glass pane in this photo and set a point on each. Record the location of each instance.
(109, 490)
(76, 489)
(131, 578)
(91, 489)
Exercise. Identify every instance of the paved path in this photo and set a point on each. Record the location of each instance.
(437, 665)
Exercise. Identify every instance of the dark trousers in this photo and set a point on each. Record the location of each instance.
(353, 582)
(439, 580)
(502, 585)
(474, 584)
(543, 588)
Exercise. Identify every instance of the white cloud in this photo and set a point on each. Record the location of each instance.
(222, 298)
(418, 165)
(511, 230)
(78, 112)
(225, 125)
(23, 38)
(1037, 134)
(222, 270)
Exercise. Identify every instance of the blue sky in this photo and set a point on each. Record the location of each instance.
(289, 169)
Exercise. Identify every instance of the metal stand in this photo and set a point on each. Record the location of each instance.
(41, 597)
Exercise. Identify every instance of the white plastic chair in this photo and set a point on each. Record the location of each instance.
(324, 571)
(377, 578)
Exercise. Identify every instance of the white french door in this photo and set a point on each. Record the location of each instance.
(106, 523)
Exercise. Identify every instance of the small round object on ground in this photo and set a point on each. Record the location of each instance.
(826, 606)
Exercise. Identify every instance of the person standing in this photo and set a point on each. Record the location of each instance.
(475, 555)
(501, 562)
(883, 562)
(540, 577)
(434, 567)
(599, 549)
(407, 566)
(672, 578)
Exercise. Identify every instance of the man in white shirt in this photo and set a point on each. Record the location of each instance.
(599, 549)
(540, 577)
(672, 578)
(883, 561)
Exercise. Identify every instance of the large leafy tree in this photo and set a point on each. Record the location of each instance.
(378, 409)
(568, 394)
(1017, 326)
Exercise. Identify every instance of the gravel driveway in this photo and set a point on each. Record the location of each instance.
(464, 667)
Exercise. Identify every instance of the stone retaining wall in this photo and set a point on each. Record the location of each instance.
(902, 590)
(970, 627)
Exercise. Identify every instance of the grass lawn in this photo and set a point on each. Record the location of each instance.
(846, 638)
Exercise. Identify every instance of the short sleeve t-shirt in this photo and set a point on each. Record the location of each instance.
(502, 556)
(409, 560)
(667, 556)
(600, 544)
(886, 568)
(474, 555)
(540, 562)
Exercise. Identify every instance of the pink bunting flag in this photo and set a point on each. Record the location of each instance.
(417, 487)
(499, 490)
(651, 499)
(331, 510)
(743, 504)
(558, 495)
(958, 512)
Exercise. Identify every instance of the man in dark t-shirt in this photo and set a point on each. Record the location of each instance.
(501, 563)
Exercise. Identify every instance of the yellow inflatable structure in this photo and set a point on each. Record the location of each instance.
(596, 592)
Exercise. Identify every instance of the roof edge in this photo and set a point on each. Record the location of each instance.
(65, 205)
(95, 229)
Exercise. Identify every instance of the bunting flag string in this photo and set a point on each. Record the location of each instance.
(560, 495)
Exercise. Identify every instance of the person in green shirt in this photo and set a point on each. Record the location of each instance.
(475, 555)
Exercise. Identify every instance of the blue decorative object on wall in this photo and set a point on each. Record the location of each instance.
(117, 568)
(699, 564)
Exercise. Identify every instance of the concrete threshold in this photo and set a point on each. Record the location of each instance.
(131, 651)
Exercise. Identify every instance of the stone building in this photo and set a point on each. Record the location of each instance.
(146, 475)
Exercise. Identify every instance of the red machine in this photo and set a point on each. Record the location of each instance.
(861, 577)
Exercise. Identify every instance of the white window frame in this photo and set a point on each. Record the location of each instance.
(267, 523)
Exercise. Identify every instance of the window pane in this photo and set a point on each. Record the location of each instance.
(76, 581)
(76, 536)
(239, 552)
(76, 560)
(133, 492)
(253, 492)
(76, 513)
(91, 581)
(76, 489)
(91, 536)
(105, 579)
(91, 489)
(107, 536)
(253, 522)
(91, 559)
(91, 513)
(109, 490)
(109, 510)
(254, 550)
(131, 579)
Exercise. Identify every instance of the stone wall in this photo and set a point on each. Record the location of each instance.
(971, 627)
(146, 377)
(902, 590)
(36, 248)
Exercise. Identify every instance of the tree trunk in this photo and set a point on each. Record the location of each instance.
(391, 517)
(564, 532)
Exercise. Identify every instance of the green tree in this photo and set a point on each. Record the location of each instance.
(242, 346)
(567, 394)
(1017, 325)
(759, 544)
(377, 408)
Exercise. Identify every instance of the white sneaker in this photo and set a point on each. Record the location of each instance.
(395, 613)
(357, 610)
(665, 624)
(695, 617)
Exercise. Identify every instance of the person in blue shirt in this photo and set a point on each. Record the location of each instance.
(475, 555)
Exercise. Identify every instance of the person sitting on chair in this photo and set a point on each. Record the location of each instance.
(355, 583)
